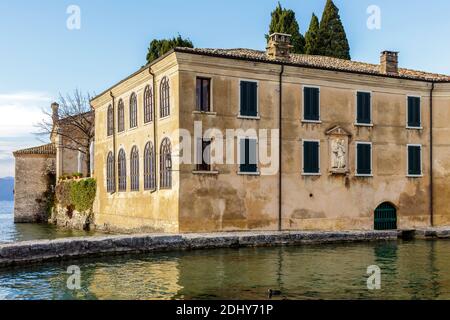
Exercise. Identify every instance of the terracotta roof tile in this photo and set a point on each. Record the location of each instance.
(47, 149)
(319, 62)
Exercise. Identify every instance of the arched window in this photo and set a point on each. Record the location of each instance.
(110, 120)
(148, 104)
(166, 164)
(133, 111)
(122, 171)
(110, 181)
(134, 169)
(121, 116)
(164, 101)
(149, 167)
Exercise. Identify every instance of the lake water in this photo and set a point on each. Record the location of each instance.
(410, 270)
(10, 232)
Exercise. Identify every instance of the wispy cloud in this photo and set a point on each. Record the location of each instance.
(20, 112)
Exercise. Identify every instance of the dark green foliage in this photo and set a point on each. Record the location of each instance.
(332, 40)
(158, 48)
(312, 36)
(283, 21)
(76, 194)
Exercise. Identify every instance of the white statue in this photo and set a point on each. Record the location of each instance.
(338, 154)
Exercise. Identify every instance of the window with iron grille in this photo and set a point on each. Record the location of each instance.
(122, 171)
(110, 180)
(311, 157)
(203, 90)
(249, 99)
(149, 167)
(363, 114)
(121, 117)
(364, 159)
(311, 104)
(248, 155)
(110, 121)
(133, 111)
(414, 117)
(134, 169)
(203, 154)
(164, 101)
(414, 160)
(166, 164)
(148, 104)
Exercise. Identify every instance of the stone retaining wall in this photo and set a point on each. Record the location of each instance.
(48, 250)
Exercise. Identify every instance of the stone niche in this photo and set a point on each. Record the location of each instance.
(338, 139)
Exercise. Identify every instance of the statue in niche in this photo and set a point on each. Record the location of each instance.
(338, 154)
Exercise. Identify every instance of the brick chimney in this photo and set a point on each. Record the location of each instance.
(279, 46)
(55, 112)
(389, 62)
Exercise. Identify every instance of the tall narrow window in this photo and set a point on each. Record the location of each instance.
(311, 157)
(203, 154)
(122, 171)
(110, 121)
(414, 117)
(149, 167)
(121, 116)
(203, 94)
(166, 164)
(311, 104)
(363, 113)
(148, 104)
(248, 158)
(110, 180)
(134, 169)
(133, 111)
(415, 160)
(164, 101)
(249, 99)
(363, 159)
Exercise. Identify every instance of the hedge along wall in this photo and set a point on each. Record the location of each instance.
(76, 195)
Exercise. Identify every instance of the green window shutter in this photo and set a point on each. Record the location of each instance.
(363, 108)
(311, 104)
(414, 112)
(311, 157)
(414, 160)
(364, 162)
(249, 96)
(248, 156)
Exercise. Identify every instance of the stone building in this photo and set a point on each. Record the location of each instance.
(38, 168)
(352, 145)
(34, 177)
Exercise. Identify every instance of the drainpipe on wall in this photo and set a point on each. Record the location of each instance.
(155, 145)
(114, 139)
(431, 158)
(280, 158)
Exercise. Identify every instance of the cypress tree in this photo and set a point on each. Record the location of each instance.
(284, 21)
(311, 37)
(332, 40)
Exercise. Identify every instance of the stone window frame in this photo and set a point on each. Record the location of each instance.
(165, 162)
(120, 116)
(110, 173)
(122, 170)
(134, 169)
(164, 98)
(149, 167)
(319, 172)
(110, 121)
(133, 111)
(362, 175)
(407, 160)
(148, 104)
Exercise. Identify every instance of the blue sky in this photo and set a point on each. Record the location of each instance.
(40, 57)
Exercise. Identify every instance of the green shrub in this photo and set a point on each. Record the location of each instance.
(78, 195)
(82, 194)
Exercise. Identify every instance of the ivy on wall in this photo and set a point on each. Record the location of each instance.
(76, 195)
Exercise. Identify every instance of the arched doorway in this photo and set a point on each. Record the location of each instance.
(385, 217)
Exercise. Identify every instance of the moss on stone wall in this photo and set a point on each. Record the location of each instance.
(76, 195)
